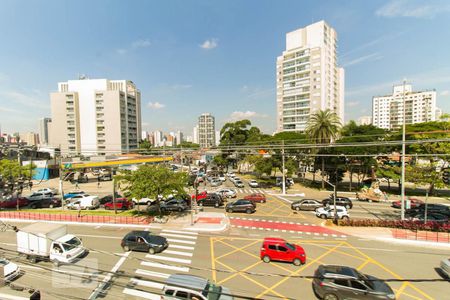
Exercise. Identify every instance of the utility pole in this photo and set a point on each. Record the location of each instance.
(114, 196)
(403, 154)
(282, 168)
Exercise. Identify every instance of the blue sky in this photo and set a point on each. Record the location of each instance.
(190, 57)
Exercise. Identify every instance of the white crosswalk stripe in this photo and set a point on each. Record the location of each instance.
(156, 268)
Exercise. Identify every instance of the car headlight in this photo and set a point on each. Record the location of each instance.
(391, 296)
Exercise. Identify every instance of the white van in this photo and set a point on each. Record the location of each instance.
(89, 202)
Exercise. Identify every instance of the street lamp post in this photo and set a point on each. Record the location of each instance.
(403, 154)
(282, 169)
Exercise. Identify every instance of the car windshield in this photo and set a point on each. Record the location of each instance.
(212, 292)
(3, 262)
(290, 246)
(71, 244)
(366, 280)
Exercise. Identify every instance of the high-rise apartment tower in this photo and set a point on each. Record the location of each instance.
(206, 131)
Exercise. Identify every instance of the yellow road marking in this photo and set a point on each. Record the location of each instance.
(213, 262)
(337, 251)
(363, 264)
(236, 248)
(400, 290)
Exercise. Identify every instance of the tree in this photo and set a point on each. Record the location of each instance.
(263, 166)
(13, 174)
(153, 181)
(145, 146)
(391, 173)
(323, 128)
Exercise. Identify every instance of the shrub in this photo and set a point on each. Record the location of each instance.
(410, 225)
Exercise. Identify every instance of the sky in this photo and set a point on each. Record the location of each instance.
(191, 57)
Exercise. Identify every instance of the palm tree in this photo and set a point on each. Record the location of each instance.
(323, 128)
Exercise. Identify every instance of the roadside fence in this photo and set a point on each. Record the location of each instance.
(421, 235)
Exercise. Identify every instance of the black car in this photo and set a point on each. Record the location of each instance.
(431, 208)
(341, 201)
(45, 203)
(431, 217)
(139, 240)
(211, 200)
(306, 204)
(241, 205)
(341, 282)
(173, 205)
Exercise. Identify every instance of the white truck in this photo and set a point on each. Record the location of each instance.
(48, 241)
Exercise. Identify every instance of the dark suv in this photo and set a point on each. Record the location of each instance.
(211, 200)
(431, 208)
(139, 240)
(340, 282)
(341, 201)
(241, 205)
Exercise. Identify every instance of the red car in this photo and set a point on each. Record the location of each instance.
(280, 250)
(414, 203)
(200, 196)
(260, 198)
(12, 203)
(121, 204)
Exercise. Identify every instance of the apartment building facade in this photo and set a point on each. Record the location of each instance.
(206, 130)
(95, 117)
(387, 111)
(308, 77)
(43, 130)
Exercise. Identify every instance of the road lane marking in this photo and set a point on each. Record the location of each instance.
(147, 283)
(163, 266)
(167, 258)
(106, 280)
(100, 236)
(142, 294)
(180, 247)
(151, 273)
(179, 231)
(179, 236)
(179, 253)
(181, 241)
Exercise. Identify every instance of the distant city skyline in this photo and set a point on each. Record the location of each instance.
(192, 57)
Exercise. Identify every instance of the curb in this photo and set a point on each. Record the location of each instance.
(414, 242)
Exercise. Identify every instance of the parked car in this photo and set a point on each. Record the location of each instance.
(143, 201)
(414, 203)
(10, 270)
(39, 196)
(445, 266)
(173, 205)
(109, 198)
(328, 212)
(222, 177)
(212, 199)
(256, 197)
(45, 203)
(280, 250)
(341, 282)
(186, 286)
(341, 201)
(72, 193)
(12, 202)
(289, 181)
(84, 202)
(216, 183)
(48, 190)
(238, 183)
(306, 204)
(121, 204)
(253, 183)
(436, 208)
(229, 193)
(241, 205)
(105, 177)
(200, 196)
(140, 240)
(80, 197)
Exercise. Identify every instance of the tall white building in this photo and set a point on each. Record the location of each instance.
(158, 138)
(217, 137)
(195, 135)
(387, 111)
(179, 137)
(206, 131)
(43, 130)
(95, 116)
(364, 120)
(308, 77)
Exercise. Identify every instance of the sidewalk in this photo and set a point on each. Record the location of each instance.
(203, 221)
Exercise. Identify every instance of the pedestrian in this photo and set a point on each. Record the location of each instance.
(98, 181)
(79, 210)
(30, 185)
(76, 184)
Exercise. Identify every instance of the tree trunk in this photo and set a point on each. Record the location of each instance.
(351, 180)
(323, 172)
(389, 184)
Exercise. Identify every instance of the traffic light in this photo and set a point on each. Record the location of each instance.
(446, 176)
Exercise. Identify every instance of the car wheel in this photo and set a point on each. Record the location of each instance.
(345, 218)
(330, 297)
(266, 259)
(151, 250)
(148, 203)
(229, 210)
(180, 209)
(50, 206)
(347, 206)
(33, 206)
(297, 208)
(248, 210)
(56, 263)
(297, 262)
(216, 205)
(322, 216)
(126, 248)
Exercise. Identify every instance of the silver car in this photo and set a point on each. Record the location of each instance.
(184, 286)
(445, 266)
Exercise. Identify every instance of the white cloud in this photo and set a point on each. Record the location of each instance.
(445, 93)
(143, 43)
(210, 44)
(121, 51)
(413, 9)
(24, 99)
(369, 57)
(155, 105)
(239, 115)
(352, 103)
(7, 109)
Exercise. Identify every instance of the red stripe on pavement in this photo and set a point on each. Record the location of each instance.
(282, 226)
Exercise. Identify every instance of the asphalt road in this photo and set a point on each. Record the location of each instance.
(230, 259)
